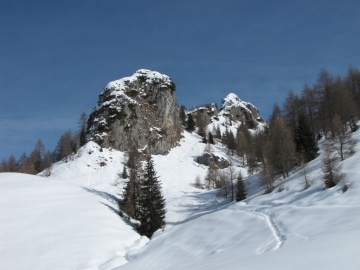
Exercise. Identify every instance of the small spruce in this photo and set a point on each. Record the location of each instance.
(240, 188)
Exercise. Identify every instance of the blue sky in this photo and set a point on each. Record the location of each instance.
(56, 56)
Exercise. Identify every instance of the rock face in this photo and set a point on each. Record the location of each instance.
(237, 110)
(233, 109)
(142, 108)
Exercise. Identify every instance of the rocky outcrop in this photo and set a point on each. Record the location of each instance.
(237, 110)
(207, 157)
(233, 110)
(142, 108)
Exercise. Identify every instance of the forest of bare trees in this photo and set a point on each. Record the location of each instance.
(328, 109)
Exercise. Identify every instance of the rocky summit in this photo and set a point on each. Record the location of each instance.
(233, 111)
(141, 108)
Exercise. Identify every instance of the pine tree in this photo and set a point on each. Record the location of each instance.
(151, 203)
(124, 173)
(231, 143)
(225, 135)
(190, 124)
(210, 138)
(182, 115)
(305, 139)
(218, 133)
(127, 204)
(240, 188)
(131, 192)
(82, 132)
(204, 139)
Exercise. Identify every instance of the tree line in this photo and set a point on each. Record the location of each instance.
(329, 109)
(41, 159)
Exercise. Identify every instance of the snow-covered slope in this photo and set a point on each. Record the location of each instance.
(293, 229)
(57, 225)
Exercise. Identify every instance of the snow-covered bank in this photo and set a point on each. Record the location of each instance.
(56, 225)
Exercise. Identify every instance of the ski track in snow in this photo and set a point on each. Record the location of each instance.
(268, 219)
(271, 224)
(280, 238)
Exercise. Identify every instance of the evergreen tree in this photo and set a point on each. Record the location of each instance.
(131, 192)
(190, 124)
(124, 173)
(82, 131)
(231, 143)
(200, 123)
(182, 115)
(305, 139)
(127, 204)
(241, 142)
(225, 135)
(210, 138)
(202, 133)
(151, 203)
(218, 133)
(240, 188)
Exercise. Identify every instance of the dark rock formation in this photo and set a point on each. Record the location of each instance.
(207, 157)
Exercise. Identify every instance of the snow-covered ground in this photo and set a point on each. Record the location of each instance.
(68, 221)
(56, 225)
